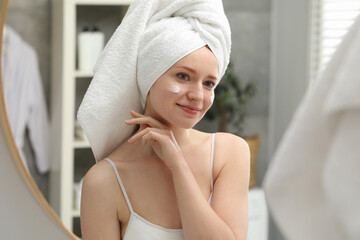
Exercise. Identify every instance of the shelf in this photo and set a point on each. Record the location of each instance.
(83, 74)
(81, 144)
(75, 212)
(104, 2)
(71, 153)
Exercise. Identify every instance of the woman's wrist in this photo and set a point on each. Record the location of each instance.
(178, 163)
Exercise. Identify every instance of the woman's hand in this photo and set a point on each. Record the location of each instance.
(159, 135)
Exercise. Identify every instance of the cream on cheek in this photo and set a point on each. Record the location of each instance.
(208, 101)
(174, 89)
(212, 97)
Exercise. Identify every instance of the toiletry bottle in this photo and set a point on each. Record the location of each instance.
(90, 45)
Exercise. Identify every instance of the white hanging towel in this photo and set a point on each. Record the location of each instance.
(24, 97)
(313, 183)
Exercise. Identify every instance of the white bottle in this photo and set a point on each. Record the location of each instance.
(90, 45)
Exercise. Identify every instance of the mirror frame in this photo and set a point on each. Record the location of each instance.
(15, 155)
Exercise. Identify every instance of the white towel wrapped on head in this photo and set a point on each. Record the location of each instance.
(152, 37)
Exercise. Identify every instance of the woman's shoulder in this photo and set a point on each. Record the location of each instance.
(100, 202)
(99, 177)
(226, 144)
(230, 147)
(231, 140)
(223, 139)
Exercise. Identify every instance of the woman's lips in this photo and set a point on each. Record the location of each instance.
(189, 109)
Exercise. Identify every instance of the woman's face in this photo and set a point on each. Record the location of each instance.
(183, 94)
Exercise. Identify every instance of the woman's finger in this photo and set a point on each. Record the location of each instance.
(149, 121)
(163, 145)
(141, 133)
(154, 137)
(135, 114)
(144, 120)
(137, 135)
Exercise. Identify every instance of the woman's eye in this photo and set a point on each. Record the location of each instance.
(183, 76)
(209, 84)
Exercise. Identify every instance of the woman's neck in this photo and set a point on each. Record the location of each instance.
(181, 134)
(138, 151)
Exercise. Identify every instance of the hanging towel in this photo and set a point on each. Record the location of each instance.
(312, 185)
(24, 98)
(153, 36)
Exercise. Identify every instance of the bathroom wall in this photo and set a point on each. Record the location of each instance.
(250, 25)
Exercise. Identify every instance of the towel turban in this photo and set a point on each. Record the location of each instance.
(152, 37)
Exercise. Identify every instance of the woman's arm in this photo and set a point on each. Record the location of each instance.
(99, 218)
(227, 218)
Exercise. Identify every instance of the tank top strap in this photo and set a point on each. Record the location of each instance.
(121, 184)
(211, 166)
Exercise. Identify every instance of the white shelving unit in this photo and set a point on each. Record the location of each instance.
(71, 158)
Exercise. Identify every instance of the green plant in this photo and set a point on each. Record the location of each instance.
(231, 98)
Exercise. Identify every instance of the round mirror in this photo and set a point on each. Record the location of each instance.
(21, 202)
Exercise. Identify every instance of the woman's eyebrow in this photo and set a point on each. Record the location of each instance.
(194, 71)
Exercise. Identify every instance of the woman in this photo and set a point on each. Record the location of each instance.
(169, 181)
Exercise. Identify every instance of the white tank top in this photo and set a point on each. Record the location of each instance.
(141, 229)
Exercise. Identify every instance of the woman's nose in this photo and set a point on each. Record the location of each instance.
(195, 92)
